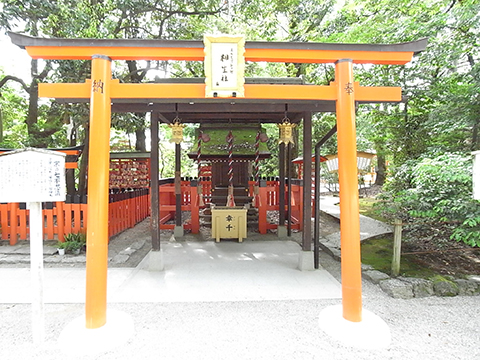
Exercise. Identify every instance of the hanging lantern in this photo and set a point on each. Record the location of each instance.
(177, 131)
(286, 132)
(364, 161)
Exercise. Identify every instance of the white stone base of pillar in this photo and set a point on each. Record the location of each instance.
(370, 333)
(178, 232)
(306, 261)
(155, 260)
(76, 339)
(282, 231)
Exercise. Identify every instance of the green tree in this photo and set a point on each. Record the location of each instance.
(13, 131)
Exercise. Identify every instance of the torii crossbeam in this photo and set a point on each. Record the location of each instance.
(102, 90)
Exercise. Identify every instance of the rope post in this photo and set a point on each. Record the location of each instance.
(256, 170)
(199, 176)
(230, 198)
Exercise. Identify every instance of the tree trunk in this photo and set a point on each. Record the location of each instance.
(475, 141)
(82, 182)
(70, 180)
(70, 173)
(32, 115)
(381, 170)
(140, 142)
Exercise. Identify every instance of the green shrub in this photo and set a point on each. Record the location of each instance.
(62, 245)
(78, 237)
(436, 190)
(74, 241)
(73, 245)
(468, 232)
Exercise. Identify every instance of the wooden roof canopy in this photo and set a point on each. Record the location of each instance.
(264, 100)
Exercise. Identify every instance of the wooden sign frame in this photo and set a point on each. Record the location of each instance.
(224, 66)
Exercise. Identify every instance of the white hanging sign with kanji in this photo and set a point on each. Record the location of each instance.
(224, 66)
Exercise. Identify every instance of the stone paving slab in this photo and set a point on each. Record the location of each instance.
(194, 272)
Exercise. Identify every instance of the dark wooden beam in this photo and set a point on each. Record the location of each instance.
(164, 119)
(307, 182)
(316, 232)
(289, 189)
(281, 192)
(207, 107)
(222, 117)
(178, 190)
(154, 191)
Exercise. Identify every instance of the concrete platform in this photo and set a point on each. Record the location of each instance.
(194, 272)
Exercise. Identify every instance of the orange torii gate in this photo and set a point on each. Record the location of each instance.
(101, 89)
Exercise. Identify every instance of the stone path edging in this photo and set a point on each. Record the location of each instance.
(400, 287)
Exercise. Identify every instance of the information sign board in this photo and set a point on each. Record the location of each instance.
(32, 175)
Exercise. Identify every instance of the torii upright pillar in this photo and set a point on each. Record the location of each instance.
(348, 181)
(97, 221)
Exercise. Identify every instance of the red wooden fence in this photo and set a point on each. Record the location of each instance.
(269, 201)
(59, 218)
(127, 209)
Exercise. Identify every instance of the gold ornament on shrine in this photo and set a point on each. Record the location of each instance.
(286, 132)
(177, 131)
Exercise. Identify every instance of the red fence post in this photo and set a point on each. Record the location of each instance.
(48, 215)
(194, 207)
(22, 218)
(4, 221)
(76, 218)
(84, 211)
(300, 197)
(67, 225)
(60, 221)
(13, 223)
(262, 207)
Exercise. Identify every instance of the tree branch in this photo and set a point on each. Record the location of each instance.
(451, 6)
(135, 27)
(7, 78)
(44, 73)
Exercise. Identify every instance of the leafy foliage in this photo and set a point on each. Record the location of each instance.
(436, 191)
(12, 109)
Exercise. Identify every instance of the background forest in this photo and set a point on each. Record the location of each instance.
(423, 144)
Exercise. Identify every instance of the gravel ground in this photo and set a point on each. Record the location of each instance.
(428, 328)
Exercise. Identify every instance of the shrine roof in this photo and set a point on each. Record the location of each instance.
(244, 138)
(25, 41)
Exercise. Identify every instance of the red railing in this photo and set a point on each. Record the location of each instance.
(268, 200)
(127, 209)
(60, 218)
(189, 202)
